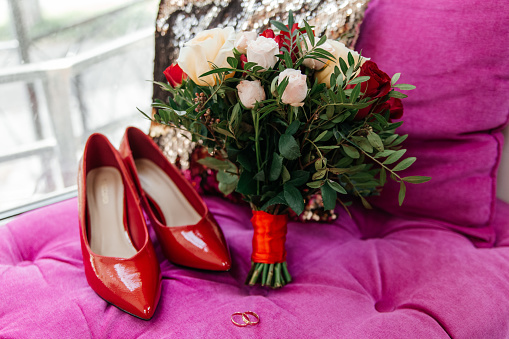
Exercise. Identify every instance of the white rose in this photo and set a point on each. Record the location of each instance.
(215, 46)
(242, 40)
(250, 92)
(321, 62)
(340, 51)
(263, 51)
(297, 88)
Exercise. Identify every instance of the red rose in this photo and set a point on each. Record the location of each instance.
(283, 40)
(396, 108)
(174, 75)
(379, 83)
(268, 33)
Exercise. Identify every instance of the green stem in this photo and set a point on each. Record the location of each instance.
(264, 274)
(256, 124)
(286, 274)
(270, 275)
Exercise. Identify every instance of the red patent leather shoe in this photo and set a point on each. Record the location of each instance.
(188, 233)
(120, 263)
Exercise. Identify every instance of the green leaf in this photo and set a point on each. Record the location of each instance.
(336, 187)
(359, 80)
(405, 87)
(329, 196)
(293, 128)
(343, 65)
(288, 147)
(364, 144)
(294, 198)
(225, 132)
(315, 184)
(299, 178)
(375, 141)
(355, 93)
(352, 152)
(351, 61)
(217, 70)
(329, 112)
(310, 34)
(285, 175)
(215, 164)
(416, 179)
(391, 159)
(232, 62)
(404, 164)
(396, 94)
(278, 199)
(279, 25)
(395, 78)
(260, 176)
(319, 174)
(365, 203)
(227, 182)
(402, 192)
(246, 184)
(245, 160)
(320, 163)
(383, 176)
(384, 153)
(321, 135)
(275, 167)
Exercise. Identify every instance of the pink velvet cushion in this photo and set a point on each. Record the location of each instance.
(457, 54)
(370, 277)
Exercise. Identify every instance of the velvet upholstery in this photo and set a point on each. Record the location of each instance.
(457, 54)
(407, 272)
(418, 282)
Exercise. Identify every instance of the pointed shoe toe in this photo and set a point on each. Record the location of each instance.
(118, 257)
(188, 233)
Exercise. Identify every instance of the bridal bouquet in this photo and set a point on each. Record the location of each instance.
(286, 114)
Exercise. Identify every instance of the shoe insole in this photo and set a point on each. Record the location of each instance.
(176, 209)
(105, 198)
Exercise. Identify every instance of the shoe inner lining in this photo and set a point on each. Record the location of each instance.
(176, 209)
(105, 199)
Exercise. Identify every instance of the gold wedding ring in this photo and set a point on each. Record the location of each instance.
(245, 318)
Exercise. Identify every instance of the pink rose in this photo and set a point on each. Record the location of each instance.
(297, 88)
(250, 92)
(263, 51)
(242, 40)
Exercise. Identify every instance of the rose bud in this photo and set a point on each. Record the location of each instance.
(297, 88)
(313, 63)
(250, 92)
(242, 40)
(174, 75)
(263, 51)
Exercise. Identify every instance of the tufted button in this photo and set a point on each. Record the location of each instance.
(384, 306)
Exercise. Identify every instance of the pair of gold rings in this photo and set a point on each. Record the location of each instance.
(245, 318)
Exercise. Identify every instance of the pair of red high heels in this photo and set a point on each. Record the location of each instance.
(115, 187)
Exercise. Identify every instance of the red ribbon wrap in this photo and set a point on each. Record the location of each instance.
(269, 237)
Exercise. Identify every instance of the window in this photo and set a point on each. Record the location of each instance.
(67, 69)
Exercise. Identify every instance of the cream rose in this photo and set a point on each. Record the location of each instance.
(340, 51)
(250, 92)
(242, 40)
(313, 63)
(263, 51)
(297, 88)
(210, 46)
